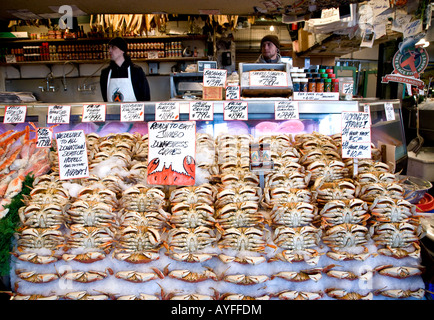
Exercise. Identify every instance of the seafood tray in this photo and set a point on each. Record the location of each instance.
(315, 230)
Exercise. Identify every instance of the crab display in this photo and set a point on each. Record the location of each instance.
(91, 214)
(237, 195)
(190, 240)
(42, 216)
(369, 192)
(141, 198)
(91, 238)
(40, 238)
(240, 239)
(205, 193)
(191, 215)
(329, 169)
(288, 179)
(279, 195)
(397, 234)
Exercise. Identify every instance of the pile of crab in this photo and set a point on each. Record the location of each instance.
(310, 228)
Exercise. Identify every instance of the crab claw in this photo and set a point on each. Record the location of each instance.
(189, 165)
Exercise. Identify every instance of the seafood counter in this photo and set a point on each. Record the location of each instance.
(313, 229)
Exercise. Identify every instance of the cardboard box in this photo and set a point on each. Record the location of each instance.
(213, 93)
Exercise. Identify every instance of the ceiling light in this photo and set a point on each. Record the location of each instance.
(272, 28)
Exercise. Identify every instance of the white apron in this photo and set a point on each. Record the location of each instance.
(120, 89)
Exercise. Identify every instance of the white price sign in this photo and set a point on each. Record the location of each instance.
(166, 111)
(356, 135)
(233, 93)
(15, 114)
(44, 137)
(214, 77)
(59, 114)
(94, 113)
(201, 110)
(268, 79)
(286, 110)
(131, 112)
(390, 113)
(235, 110)
(72, 152)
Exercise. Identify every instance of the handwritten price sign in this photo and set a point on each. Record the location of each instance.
(71, 148)
(356, 135)
(201, 110)
(235, 110)
(214, 77)
(131, 112)
(15, 114)
(94, 113)
(390, 113)
(233, 93)
(58, 114)
(285, 110)
(166, 111)
(268, 79)
(44, 137)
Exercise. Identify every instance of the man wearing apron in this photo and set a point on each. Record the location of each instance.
(122, 80)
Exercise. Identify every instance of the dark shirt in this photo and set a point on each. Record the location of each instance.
(138, 79)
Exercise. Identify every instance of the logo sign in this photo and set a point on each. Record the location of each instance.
(408, 63)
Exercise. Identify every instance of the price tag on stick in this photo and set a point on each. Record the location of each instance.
(214, 77)
(131, 112)
(166, 111)
(44, 137)
(286, 110)
(235, 110)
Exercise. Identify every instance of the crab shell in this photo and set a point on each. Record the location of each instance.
(192, 215)
(310, 256)
(246, 238)
(342, 294)
(237, 296)
(204, 193)
(36, 258)
(299, 238)
(243, 279)
(190, 257)
(251, 260)
(401, 272)
(386, 209)
(32, 276)
(189, 276)
(37, 238)
(42, 216)
(190, 239)
(400, 253)
(336, 212)
(139, 277)
(244, 214)
(34, 297)
(85, 276)
(397, 234)
(346, 235)
(401, 294)
(301, 276)
(136, 257)
(299, 295)
(83, 295)
(294, 214)
(141, 296)
(91, 214)
(339, 255)
(88, 257)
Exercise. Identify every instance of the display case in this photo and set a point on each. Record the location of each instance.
(295, 230)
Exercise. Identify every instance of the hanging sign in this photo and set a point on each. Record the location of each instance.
(58, 114)
(201, 110)
(268, 79)
(15, 114)
(172, 150)
(408, 63)
(286, 110)
(131, 112)
(235, 110)
(166, 111)
(72, 152)
(390, 112)
(214, 77)
(44, 137)
(94, 113)
(356, 135)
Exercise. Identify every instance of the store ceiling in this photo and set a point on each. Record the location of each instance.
(12, 9)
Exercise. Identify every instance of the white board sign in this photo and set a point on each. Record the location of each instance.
(286, 110)
(166, 111)
(72, 152)
(131, 112)
(171, 153)
(235, 110)
(356, 135)
(214, 77)
(15, 114)
(201, 110)
(94, 112)
(233, 93)
(58, 114)
(268, 79)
